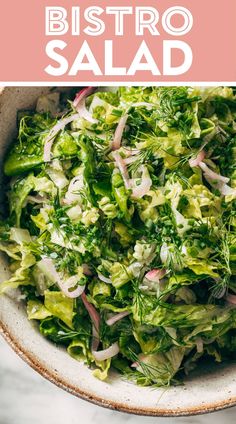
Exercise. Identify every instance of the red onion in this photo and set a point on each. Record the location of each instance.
(122, 167)
(131, 155)
(69, 284)
(84, 113)
(223, 188)
(94, 315)
(117, 317)
(95, 318)
(231, 298)
(226, 190)
(104, 279)
(211, 174)
(155, 275)
(116, 143)
(130, 160)
(48, 266)
(195, 162)
(80, 106)
(102, 355)
(95, 338)
(82, 94)
(60, 125)
(131, 152)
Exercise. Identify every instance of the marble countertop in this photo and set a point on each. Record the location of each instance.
(26, 398)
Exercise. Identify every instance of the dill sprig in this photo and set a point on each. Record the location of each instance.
(160, 374)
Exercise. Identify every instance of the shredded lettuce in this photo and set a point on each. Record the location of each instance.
(36, 310)
(60, 306)
(148, 233)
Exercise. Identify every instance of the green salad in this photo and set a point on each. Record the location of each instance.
(120, 226)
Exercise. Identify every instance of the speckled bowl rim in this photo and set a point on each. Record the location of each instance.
(62, 383)
(99, 401)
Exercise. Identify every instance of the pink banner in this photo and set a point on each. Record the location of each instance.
(117, 41)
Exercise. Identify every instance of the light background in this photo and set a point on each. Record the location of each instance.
(27, 398)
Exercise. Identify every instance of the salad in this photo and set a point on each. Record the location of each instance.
(120, 227)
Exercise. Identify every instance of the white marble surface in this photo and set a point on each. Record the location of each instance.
(26, 398)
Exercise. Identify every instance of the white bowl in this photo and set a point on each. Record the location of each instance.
(206, 391)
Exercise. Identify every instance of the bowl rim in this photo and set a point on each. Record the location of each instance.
(37, 366)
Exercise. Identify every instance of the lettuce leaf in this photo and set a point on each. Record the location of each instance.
(60, 306)
(36, 310)
(22, 275)
(179, 316)
(79, 349)
(160, 368)
(102, 372)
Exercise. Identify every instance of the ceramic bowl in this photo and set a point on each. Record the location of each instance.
(208, 389)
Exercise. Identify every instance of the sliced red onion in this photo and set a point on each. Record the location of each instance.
(131, 155)
(155, 275)
(226, 190)
(84, 113)
(131, 152)
(47, 266)
(80, 105)
(60, 125)
(117, 317)
(116, 143)
(82, 94)
(95, 318)
(130, 160)
(95, 338)
(102, 355)
(231, 298)
(146, 183)
(211, 174)
(94, 315)
(223, 188)
(69, 284)
(122, 168)
(104, 279)
(200, 157)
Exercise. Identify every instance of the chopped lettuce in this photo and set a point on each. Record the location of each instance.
(148, 233)
(60, 306)
(36, 310)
